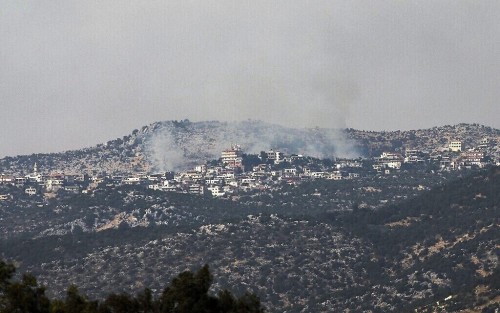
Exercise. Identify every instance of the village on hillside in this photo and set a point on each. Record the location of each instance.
(236, 172)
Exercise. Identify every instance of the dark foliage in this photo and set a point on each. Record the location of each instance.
(187, 293)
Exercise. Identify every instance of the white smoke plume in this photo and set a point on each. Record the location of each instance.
(163, 152)
(179, 145)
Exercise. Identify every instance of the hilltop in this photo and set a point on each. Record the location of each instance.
(372, 143)
(173, 145)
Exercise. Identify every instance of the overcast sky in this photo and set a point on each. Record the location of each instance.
(77, 73)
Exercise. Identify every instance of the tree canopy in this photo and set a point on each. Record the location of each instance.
(187, 293)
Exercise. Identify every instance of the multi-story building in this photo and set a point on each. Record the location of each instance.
(232, 157)
(472, 157)
(217, 191)
(7, 179)
(390, 160)
(455, 146)
(276, 156)
(196, 189)
(414, 156)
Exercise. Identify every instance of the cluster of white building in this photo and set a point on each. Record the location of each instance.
(453, 157)
(229, 177)
(35, 181)
(466, 158)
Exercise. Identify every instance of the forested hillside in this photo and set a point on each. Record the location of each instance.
(448, 237)
(377, 244)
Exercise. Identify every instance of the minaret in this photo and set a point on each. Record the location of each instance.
(35, 169)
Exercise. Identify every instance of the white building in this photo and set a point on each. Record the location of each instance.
(154, 187)
(335, 175)
(7, 179)
(217, 191)
(318, 175)
(131, 180)
(276, 156)
(232, 157)
(35, 176)
(201, 168)
(196, 189)
(455, 146)
(31, 191)
(472, 158)
(391, 160)
(290, 172)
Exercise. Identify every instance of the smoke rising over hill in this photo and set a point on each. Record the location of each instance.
(174, 145)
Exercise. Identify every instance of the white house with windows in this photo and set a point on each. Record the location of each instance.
(335, 175)
(217, 191)
(390, 160)
(7, 179)
(455, 146)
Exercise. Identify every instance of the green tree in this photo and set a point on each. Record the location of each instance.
(26, 296)
(74, 301)
(7, 270)
(188, 292)
(248, 303)
(121, 303)
(145, 301)
(226, 301)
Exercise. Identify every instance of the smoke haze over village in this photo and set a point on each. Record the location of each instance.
(74, 74)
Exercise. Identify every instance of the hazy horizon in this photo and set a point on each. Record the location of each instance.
(75, 74)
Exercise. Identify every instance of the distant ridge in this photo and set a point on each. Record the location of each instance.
(170, 145)
(371, 143)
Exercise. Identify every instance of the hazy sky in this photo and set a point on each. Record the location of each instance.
(77, 73)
